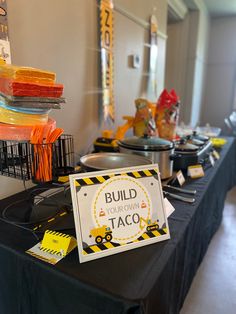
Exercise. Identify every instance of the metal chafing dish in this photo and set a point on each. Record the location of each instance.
(155, 148)
(191, 150)
(104, 161)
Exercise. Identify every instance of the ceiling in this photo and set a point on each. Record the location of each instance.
(221, 7)
(216, 8)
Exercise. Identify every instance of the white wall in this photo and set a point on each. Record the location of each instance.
(200, 65)
(221, 72)
(187, 47)
(143, 9)
(63, 37)
(176, 59)
(180, 60)
(132, 37)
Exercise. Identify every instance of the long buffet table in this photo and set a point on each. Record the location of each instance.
(150, 279)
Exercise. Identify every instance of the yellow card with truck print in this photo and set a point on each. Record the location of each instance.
(54, 247)
(57, 243)
(118, 210)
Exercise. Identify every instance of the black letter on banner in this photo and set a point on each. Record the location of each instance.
(108, 69)
(107, 38)
(107, 18)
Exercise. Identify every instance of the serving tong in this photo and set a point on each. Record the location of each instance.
(181, 190)
(178, 190)
(189, 200)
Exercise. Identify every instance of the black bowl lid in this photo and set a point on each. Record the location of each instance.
(183, 146)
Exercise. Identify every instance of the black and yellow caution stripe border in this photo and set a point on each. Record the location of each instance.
(56, 233)
(111, 245)
(102, 178)
(54, 252)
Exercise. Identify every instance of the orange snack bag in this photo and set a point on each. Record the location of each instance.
(167, 114)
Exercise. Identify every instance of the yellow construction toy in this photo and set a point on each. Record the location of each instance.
(108, 140)
(143, 124)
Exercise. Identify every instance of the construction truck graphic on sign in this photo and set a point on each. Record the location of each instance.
(150, 225)
(101, 233)
(121, 212)
(105, 233)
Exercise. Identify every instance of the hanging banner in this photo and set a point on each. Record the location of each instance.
(4, 40)
(152, 77)
(106, 45)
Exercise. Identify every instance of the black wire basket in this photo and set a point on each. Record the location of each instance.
(15, 160)
(64, 155)
(52, 160)
(22, 160)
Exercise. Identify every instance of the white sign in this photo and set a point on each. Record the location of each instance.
(118, 210)
(5, 52)
(169, 208)
(216, 154)
(212, 160)
(180, 177)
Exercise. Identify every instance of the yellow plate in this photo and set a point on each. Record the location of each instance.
(12, 117)
(218, 142)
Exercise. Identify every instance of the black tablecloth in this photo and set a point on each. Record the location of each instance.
(150, 279)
